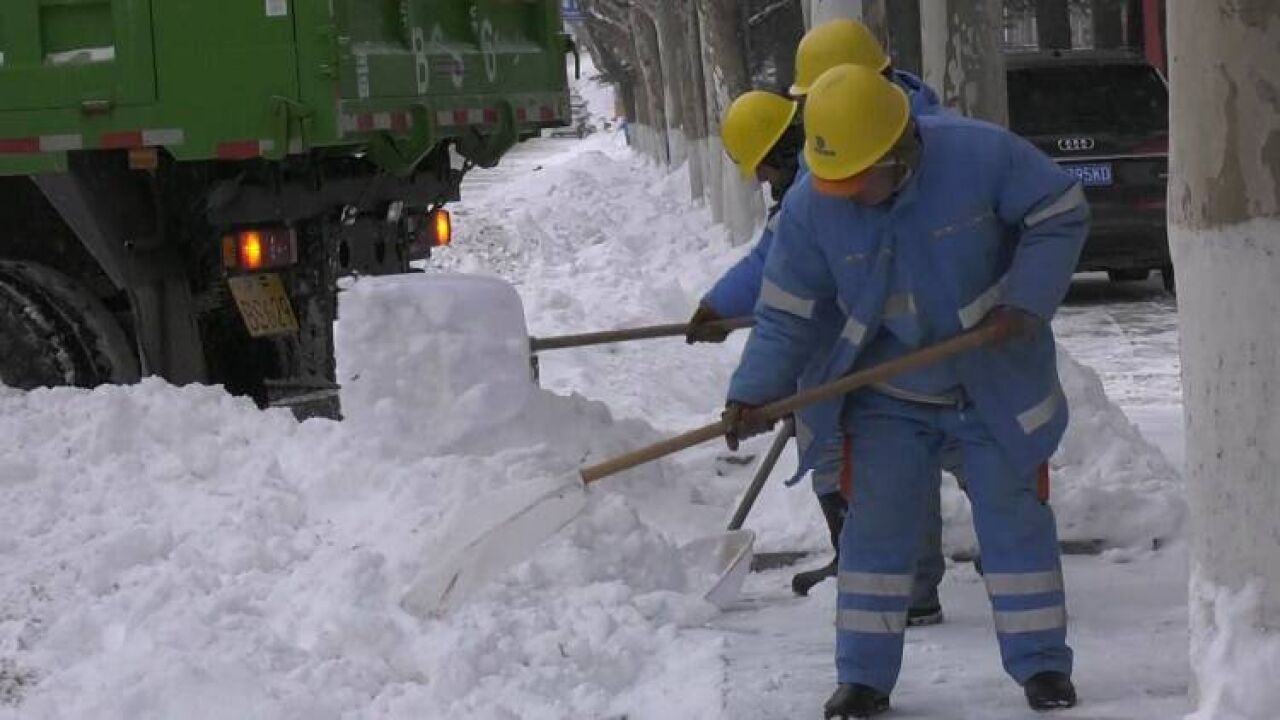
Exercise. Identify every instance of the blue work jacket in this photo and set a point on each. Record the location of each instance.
(985, 220)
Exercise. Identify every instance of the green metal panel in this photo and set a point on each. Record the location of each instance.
(207, 78)
(59, 53)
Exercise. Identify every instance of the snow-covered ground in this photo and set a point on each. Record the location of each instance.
(171, 553)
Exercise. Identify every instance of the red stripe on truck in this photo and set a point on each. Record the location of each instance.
(19, 146)
(242, 150)
(121, 140)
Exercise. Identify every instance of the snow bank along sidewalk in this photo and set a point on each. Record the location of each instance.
(176, 553)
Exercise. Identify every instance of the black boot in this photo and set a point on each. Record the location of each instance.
(855, 701)
(921, 616)
(803, 582)
(1050, 690)
(833, 510)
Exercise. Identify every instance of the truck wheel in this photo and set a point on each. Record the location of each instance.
(53, 332)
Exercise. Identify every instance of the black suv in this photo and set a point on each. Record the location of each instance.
(1104, 116)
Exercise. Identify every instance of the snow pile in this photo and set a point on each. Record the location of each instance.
(174, 552)
(475, 361)
(1108, 483)
(1236, 662)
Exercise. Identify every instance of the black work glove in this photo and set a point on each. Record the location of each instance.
(701, 331)
(744, 421)
(1011, 324)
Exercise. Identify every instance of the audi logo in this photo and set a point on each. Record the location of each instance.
(1075, 144)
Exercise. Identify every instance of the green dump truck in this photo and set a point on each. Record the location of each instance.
(183, 182)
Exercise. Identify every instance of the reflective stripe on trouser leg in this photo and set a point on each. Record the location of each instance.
(894, 463)
(1019, 555)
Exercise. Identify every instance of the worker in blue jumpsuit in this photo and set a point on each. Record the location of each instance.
(914, 230)
(757, 126)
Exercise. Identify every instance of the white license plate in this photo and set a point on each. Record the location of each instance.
(263, 304)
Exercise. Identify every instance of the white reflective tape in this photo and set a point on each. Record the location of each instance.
(349, 124)
(804, 436)
(865, 583)
(1036, 418)
(854, 332)
(1032, 583)
(900, 304)
(266, 146)
(772, 224)
(973, 313)
(444, 118)
(869, 621)
(61, 143)
(382, 121)
(1066, 202)
(158, 138)
(779, 299)
(1026, 621)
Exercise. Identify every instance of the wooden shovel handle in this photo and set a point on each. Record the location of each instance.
(641, 333)
(788, 405)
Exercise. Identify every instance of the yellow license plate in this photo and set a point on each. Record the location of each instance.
(263, 304)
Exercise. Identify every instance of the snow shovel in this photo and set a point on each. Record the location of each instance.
(721, 562)
(502, 531)
(605, 337)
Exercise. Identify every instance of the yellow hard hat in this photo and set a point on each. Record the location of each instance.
(752, 126)
(853, 117)
(836, 42)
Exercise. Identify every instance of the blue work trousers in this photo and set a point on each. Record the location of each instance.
(895, 454)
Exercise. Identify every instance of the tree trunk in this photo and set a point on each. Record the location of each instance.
(875, 15)
(700, 156)
(962, 57)
(670, 27)
(904, 35)
(725, 73)
(821, 11)
(1224, 213)
(1108, 24)
(1053, 24)
(645, 36)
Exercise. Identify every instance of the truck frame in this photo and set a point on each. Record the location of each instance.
(183, 182)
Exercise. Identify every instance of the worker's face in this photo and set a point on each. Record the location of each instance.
(877, 184)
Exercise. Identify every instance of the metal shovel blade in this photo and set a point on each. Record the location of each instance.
(490, 535)
(719, 563)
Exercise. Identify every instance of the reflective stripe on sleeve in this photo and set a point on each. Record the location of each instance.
(1066, 202)
(779, 299)
(972, 314)
(854, 332)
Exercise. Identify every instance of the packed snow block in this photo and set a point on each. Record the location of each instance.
(1109, 484)
(432, 359)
